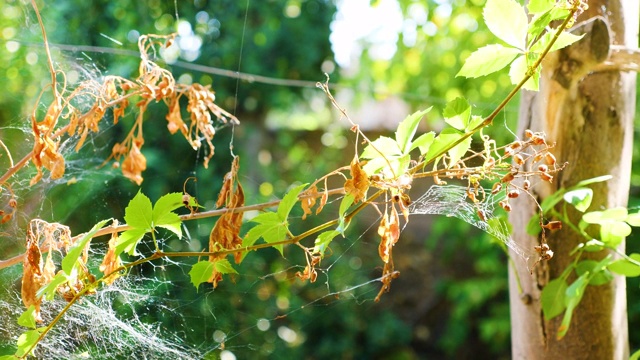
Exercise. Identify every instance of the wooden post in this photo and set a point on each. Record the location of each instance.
(587, 110)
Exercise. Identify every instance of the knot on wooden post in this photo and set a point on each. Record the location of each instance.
(580, 58)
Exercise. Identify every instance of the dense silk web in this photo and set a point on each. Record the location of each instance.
(452, 201)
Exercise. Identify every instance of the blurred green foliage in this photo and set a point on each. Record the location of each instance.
(460, 311)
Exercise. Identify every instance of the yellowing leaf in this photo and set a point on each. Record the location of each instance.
(487, 60)
(507, 20)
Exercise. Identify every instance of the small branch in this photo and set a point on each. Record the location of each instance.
(621, 59)
(206, 214)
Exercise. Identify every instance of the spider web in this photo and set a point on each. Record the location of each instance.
(452, 201)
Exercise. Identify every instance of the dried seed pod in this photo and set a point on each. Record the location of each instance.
(553, 225)
(496, 188)
(528, 133)
(543, 168)
(515, 145)
(546, 177)
(13, 203)
(538, 139)
(513, 193)
(508, 151)
(505, 205)
(509, 177)
(489, 162)
(526, 185)
(517, 158)
(549, 159)
(537, 157)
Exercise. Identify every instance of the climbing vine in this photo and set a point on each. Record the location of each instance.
(380, 174)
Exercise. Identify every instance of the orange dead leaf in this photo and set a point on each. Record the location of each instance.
(389, 231)
(308, 201)
(134, 164)
(323, 199)
(111, 262)
(359, 182)
(224, 197)
(225, 234)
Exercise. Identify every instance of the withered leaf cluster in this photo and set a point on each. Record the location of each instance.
(38, 272)
(154, 84)
(225, 234)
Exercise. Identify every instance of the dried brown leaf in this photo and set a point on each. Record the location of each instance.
(359, 182)
(389, 231)
(111, 262)
(134, 164)
(309, 201)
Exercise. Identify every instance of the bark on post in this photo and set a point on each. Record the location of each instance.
(589, 115)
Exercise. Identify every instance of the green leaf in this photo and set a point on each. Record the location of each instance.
(407, 129)
(8, 357)
(573, 296)
(457, 152)
(288, 201)
(74, 253)
(635, 356)
(201, 272)
(26, 340)
(600, 217)
(594, 180)
(596, 276)
(224, 267)
(540, 21)
(540, 6)
(633, 219)
(457, 113)
(579, 198)
(564, 39)
(170, 221)
(49, 290)
(507, 20)
(423, 142)
(486, 60)
(128, 240)
(163, 215)
(552, 298)
(474, 123)
(374, 165)
(593, 245)
(386, 146)
(28, 317)
(346, 202)
(443, 141)
(270, 227)
(323, 240)
(518, 71)
(533, 227)
(165, 205)
(625, 267)
(138, 213)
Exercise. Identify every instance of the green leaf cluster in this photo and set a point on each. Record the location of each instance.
(144, 218)
(203, 270)
(273, 227)
(385, 151)
(614, 225)
(525, 40)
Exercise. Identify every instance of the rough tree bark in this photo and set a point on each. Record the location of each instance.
(589, 115)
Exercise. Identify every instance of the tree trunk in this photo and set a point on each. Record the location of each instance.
(590, 118)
